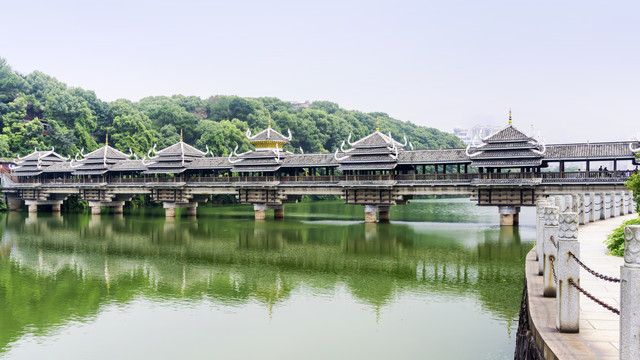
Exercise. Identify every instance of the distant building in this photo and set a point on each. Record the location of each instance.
(479, 131)
(299, 106)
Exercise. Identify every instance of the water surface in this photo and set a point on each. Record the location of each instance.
(441, 281)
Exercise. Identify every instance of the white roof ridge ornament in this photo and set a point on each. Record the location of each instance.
(82, 152)
(335, 156)
(145, 158)
(290, 136)
(73, 167)
(349, 140)
(540, 152)
(301, 151)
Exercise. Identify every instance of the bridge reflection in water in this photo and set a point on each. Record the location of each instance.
(59, 269)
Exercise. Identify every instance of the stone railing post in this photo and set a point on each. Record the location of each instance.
(581, 209)
(568, 203)
(612, 207)
(550, 235)
(539, 233)
(632, 203)
(630, 295)
(624, 203)
(592, 207)
(568, 297)
(603, 206)
(575, 203)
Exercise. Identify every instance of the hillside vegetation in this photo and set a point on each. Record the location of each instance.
(38, 111)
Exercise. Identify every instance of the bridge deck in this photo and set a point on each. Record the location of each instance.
(599, 328)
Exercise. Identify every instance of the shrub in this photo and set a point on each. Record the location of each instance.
(615, 240)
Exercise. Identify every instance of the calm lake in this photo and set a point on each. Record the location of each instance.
(441, 281)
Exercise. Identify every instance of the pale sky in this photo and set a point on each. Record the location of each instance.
(569, 68)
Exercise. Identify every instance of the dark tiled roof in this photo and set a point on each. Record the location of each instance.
(111, 153)
(507, 134)
(210, 163)
(602, 150)
(368, 158)
(368, 166)
(508, 154)
(180, 148)
(309, 160)
(256, 168)
(507, 163)
(376, 139)
(128, 165)
(433, 156)
(268, 134)
(59, 167)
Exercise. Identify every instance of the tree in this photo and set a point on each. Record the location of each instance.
(222, 137)
(11, 84)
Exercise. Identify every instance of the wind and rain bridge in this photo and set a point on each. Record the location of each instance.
(507, 170)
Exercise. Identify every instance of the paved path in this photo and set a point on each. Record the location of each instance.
(599, 328)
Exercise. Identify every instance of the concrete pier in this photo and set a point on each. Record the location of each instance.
(384, 215)
(370, 213)
(509, 215)
(278, 212)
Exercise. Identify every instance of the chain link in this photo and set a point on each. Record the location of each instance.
(596, 300)
(592, 272)
(553, 242)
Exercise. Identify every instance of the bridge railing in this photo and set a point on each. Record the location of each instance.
(554, 177)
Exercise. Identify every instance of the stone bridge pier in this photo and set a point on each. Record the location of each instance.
(509, 215)
(260, 211)
(374, 213)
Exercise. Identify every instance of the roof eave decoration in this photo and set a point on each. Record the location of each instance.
(636, 150)
(335, 156)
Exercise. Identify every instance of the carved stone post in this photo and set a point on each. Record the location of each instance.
(592, 207)
(624, 203)
(603, 206)
(632, 203)
(575, 203)
(540, 232)
(612, 207)
(568, 297)
(630, 295)
(550, 234)
(581, 208)
(568, 203)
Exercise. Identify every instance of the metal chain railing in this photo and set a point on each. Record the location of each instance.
(553, 242)
(593, 272)
(596, 300)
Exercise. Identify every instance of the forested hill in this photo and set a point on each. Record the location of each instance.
(38, 111)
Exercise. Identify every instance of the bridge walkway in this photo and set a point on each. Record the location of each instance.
(599, 328)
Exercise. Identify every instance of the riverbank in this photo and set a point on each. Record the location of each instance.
(599, 328)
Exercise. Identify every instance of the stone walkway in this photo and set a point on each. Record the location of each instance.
(599, 328)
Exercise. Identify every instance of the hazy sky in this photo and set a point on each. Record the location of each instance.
(569, 68)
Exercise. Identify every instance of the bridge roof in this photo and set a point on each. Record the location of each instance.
(592, 151)
(268, 134)
(508, 134)
(34, 163)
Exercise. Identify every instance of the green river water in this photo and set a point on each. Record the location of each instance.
(441, 281)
